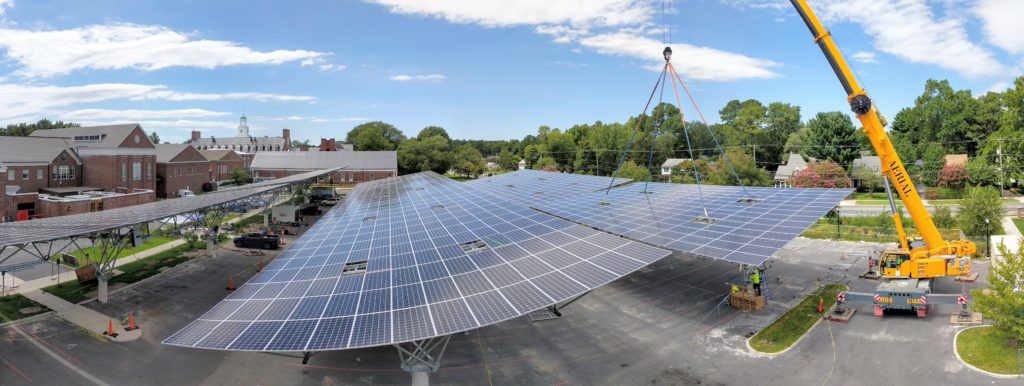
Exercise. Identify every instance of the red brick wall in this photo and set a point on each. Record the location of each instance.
(105, 172)
(181, 175)
(229, 164)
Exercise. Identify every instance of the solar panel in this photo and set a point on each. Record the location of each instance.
(528, 186)
(740, 228)
(411, 258)
(23, 232)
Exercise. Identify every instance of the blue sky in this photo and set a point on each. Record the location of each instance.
(480, 69)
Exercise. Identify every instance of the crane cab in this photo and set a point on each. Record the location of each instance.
(900, 264)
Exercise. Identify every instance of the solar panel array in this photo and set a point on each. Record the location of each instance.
(740, 230)
(23, 232)
(529, 186)
(411, 258)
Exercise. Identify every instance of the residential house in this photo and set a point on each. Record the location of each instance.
(29, 165)
(784, 174)
(666, 167)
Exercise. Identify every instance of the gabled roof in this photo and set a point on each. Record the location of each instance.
(32, 150)
(110, 135)
(218, 154)
(167, 152)
(315, 160)
(672, 162)
(870, 162)
(794, 163)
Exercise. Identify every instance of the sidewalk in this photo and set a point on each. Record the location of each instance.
(83, 316)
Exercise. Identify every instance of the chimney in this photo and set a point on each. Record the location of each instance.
(328, 144)
(195, 135)
(287, 135)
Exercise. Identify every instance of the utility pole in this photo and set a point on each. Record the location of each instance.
(999, 151)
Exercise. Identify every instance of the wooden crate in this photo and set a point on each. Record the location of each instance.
(746, 300)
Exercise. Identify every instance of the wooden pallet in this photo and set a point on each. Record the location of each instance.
(973, 320)
(746, 300)
(968, 279)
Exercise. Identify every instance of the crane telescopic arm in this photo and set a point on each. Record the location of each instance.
(892, 166)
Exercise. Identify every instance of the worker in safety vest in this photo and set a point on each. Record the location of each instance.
(756, 279)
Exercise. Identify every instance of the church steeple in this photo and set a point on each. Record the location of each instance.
(243, 127)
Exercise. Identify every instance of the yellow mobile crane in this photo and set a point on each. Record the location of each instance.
(908, 270)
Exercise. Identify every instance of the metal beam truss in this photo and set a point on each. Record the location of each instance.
(553, 311)
(104, 246)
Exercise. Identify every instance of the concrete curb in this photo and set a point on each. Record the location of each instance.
(795, 343)
(970, 366)
(28, 319)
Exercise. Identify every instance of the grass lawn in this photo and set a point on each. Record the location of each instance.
(459, 178)
(1019, 223)
(869, 196)
(856, 232)
(792, 325)
(873, 202)
(154, 241)
(75, 292)
(988, 349)
(10, 305)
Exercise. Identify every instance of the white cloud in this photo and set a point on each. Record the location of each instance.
(29, 101)
(527, 12)
(435, 78)
(1001, 23)
(138, 115)
(5, 4)
(998, 87)
(312, 119)
(700, 63)
(48, 53)
(865, 57)
(774, 5)
(909, 29)
(613, 27)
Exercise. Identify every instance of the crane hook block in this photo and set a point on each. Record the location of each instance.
(667, 53)
(860, 104)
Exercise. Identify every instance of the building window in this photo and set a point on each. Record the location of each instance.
(53, 172)
(10, 174)
(96, 206)
(136, 170)
(124, 170)
(149, 170)
(24, 174)
(371, 177)
(39, 173)
(63, 172)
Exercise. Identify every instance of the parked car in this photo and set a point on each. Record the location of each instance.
(329, 202)
(310, 210)
(258, 240)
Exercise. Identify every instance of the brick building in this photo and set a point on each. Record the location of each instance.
(242, 141)
(223, 162)
(180, 167)
(30, 165)
(116, 158)
(359, 165)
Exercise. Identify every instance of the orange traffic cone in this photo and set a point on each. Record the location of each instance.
(231, 284)
(110, 329)
(821, 305)
(131, 322)
(261, 266)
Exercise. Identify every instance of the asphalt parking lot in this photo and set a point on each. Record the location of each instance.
(659, 325)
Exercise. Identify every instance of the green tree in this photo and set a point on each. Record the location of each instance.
(633, 171)
(980, 204)
(507, 160)
(420, 155)
(981, 173)
(547, 163)
(743, 163)
(942, 115)
(241, 176)
(298, 144)
(1003, 300)
(795, 141)
(870, 179)
(432, 131)
(375, 135)
(832, 137)
(933, 158)
(560, 147)
(24, 129)
(684, 171)
(154, 137)
(468, 161)
(943, 217)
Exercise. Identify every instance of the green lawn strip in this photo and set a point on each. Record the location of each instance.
(872, 202)
(793, 324)
(152, 242)
(988, 349)
(460, 178)
(10, 306)
(823, 231)
(75, 292)
(869, 196)
(1019, 223)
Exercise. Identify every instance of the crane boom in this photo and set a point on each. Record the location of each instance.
(931, 262)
